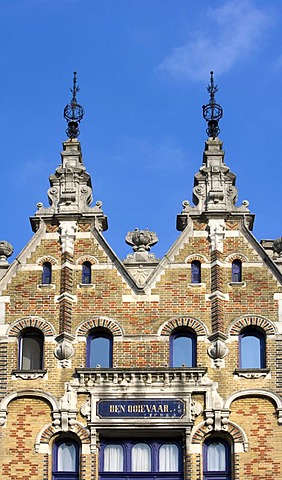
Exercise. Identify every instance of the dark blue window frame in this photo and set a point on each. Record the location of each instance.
(29, 340)
(217, 474)
(176, 336)
(86, 273)
(46, 273)
(236, 275)
(257, 357)
(196, 271)
(99, 356)
(154, 473)
(66, 475)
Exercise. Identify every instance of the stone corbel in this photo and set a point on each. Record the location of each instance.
(217, 419)
(65, 350)
(93, 440)
(218, 349)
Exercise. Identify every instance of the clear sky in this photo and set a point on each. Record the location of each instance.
(143, 67)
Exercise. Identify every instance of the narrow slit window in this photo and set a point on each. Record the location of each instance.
(196, 271)
(236, 271)
(46, 273)
(86, 273)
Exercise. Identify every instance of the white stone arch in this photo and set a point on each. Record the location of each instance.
(4, 404)
(201, 431)
(48, 432)
(254, 392)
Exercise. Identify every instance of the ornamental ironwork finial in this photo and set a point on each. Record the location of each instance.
(73, 112)
(212, 111)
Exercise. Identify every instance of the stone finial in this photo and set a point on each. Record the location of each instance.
(277, 246)
(6, 250)
(141, 240)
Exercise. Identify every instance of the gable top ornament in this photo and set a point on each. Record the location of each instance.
(212, 111)
(73, 112)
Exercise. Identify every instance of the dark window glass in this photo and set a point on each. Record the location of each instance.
(182, 348)
(236, 271)
(47, 273)
(65, 460)
(217, 460)
(99, 349)
(252, 348)
(196, 271)
(86, 273)
(31, 350)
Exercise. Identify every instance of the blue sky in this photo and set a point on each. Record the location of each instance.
(143, 67)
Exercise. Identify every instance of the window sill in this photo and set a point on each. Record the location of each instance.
(28, 374)
(48, 286)
(237, 284)
(86, 285)
(199, 285)
(251, 372)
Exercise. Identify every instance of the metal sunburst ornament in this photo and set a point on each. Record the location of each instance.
(212, 111)
(73, 112)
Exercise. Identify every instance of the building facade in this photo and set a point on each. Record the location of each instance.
(146, 368)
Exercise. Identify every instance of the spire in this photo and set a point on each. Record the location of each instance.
(212, 111)
(214, 193)
(70, 194)
(73, 112)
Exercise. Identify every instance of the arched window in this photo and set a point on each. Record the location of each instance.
(146, 459)
(252, 348)
(236, 271)
(141, 458)
(217, 459)
(46, 273)
(86, 273)
(183, 348)
(65, 459)
(195, 271)
(31, 343)
(99, 349)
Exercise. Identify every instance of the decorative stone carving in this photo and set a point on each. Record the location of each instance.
(277, 246)
(85, 409)
(216, 229)
(6, 250)
(65, 350)
(68, 233)
(251, 373)
(68, 407)
(217, 352)
(141, 240)
(196, 409)
(29, 374)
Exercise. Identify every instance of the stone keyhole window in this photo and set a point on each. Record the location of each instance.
(31, 342)
(195, 271)
(46, 273)
(236, 275)
(86, 273)
(66, 453)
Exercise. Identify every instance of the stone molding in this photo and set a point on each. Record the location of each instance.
(47, 258)
(254, 321)
(196, 256)
(200, 432)
(33, 322)
(87, 258)
(257, 392)
(236, 256)
(176, 322)
(99, 322)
